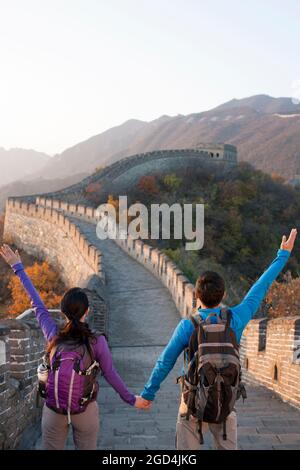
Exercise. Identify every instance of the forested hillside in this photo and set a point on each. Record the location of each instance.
(246, 214)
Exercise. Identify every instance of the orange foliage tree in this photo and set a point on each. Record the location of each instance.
(93, 188)
(283, 299)
(92, 192)
(46, 282)
(148, 184)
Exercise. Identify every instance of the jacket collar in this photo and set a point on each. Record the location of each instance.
(204, 312)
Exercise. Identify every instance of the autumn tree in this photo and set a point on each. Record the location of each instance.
(148, 184)
(93, 188)
(47, 283)
(283, 299)
(172, 181)
(92, 192)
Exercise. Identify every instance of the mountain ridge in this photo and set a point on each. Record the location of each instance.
(265, 129)
(254, 124)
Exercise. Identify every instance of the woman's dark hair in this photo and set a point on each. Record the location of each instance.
(210, 288)
(74, 305)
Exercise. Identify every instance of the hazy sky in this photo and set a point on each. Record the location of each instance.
(70, 69)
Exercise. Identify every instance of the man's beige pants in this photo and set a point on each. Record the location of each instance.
(187, 435)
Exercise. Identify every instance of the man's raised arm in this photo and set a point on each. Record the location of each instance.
(256, 294)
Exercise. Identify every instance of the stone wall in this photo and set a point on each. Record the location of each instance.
(22, 347)
(47, 234)
(270, 353)
(152, 258)
(125, 172)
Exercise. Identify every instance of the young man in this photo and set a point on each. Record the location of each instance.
(210, 289)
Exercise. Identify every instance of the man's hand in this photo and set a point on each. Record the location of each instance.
(288, 244)
(10, 256)
(142, 404)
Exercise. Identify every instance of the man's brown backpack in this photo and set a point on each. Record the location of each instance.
(212, 380)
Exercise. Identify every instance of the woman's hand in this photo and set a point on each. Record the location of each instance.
(142, 404)
(10, 256)
(288, 244)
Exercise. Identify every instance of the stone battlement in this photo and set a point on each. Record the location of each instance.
(124, 173)
(47, 220)
(270, 352)
(152, 258)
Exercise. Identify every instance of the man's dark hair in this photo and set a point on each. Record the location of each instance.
(210, 288)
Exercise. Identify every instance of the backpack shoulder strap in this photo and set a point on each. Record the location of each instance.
(196, 320)
(226, 316)
(90, 349)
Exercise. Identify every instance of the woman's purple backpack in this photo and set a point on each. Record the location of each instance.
(71, 382)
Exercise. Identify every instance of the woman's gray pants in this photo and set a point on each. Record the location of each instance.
(85, 427)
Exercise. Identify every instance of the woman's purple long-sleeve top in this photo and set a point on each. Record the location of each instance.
(50, 329)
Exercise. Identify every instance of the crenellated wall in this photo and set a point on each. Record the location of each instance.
(22, 347)
(270, 354)
(47, 233)
(152, 258)
(124, 173)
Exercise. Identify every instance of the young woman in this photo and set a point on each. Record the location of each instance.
(74, 357)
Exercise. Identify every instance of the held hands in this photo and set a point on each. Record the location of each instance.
(10, 256)
(288, 244)
(142, 404)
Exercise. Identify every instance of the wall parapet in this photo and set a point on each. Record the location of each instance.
(91, 255)
(152, 258)
(22, 348)
(222, 155)
(270, 354)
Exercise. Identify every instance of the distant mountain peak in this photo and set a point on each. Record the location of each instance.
(262, 104)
